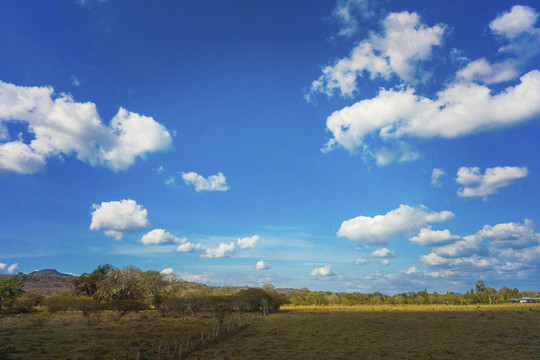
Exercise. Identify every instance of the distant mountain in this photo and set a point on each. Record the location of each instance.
(45, 282)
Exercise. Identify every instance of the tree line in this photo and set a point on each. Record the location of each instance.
(479, 294)
(131, 289)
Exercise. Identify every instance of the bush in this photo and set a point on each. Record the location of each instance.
(27, 302)
(57, 303)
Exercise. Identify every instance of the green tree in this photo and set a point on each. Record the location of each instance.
(91, 284)
(315, 299)
(10, 289)
(152, 284)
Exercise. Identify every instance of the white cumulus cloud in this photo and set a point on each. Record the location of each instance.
(522, 41)
(512, 235)
(460, 109)
(482, 71)
(520, 19)
(403, 221)
(166, 271)
(161, 237)
(382, 253)
(404, 42)
(467, 246)
(464, 106)
(223, 250)
(62, 127)
(476, 184)
(17, 157)
(118, 218)
(188, 247)
(248, 242)
(212, 183)
(501, 250)
(517, 28)
(323, 272)
(428, 237)
(262, 265)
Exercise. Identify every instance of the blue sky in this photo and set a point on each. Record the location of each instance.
(349, 145)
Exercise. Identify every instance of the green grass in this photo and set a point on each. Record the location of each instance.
(359, 332)
(388, 332)
(68, 336)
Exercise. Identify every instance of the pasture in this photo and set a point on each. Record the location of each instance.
(510, 331)
(388, 332)
(67, 335)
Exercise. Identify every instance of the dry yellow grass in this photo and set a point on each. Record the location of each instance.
(409, 307)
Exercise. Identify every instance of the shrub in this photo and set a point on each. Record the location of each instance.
(27, 302)
(57, 303)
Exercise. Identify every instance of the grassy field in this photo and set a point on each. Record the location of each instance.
(388, 332)
(68, 336)
(360, 332)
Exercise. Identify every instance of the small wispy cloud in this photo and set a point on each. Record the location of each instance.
(10, 269)
(435, 175)
(211, 183)
(76, 82)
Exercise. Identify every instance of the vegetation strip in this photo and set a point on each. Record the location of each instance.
(133, 314)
